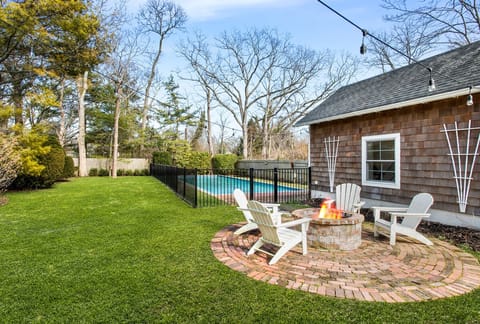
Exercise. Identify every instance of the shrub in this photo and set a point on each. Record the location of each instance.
(146, 172)
(10, 161)
(103, 173)
(69, 168)
(199, 160)
(129, 173)
(93, 172)
(164, 158)
(224, 161)
(54, 163)
(43, 161)
(120, 172)
(136, 173)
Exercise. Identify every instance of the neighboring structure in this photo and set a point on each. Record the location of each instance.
(392, 138)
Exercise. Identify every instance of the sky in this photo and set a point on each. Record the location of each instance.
(307, 22)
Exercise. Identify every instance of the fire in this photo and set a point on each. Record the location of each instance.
(327, 211)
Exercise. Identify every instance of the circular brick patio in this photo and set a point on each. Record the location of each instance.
(375, 271)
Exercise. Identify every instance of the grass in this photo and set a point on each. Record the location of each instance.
(128, 250)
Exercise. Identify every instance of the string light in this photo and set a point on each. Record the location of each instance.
(431, 82)
(363, 50)
(470, 97)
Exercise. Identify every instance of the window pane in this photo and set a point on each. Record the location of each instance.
(388, 166)
(387, 155)
(373, 146)
(388, 145)
(388, 176)
(373, 155)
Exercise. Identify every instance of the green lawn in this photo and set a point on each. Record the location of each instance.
(128, 250)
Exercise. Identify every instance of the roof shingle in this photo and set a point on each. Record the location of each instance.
(454, 70)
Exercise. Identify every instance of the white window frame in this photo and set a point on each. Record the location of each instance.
(375, 138)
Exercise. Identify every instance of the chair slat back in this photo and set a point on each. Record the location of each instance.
(263, 218)
(420, 204)
(241, 200)
(347, 194)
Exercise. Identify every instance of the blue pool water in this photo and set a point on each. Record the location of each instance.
(218, 184)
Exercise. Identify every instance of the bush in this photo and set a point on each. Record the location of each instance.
(146, 172)
(224, 161)
(164, 158)
(199, 160)
(136, 173)
(120, 172)
(10, 161)
(48, 159)
(69, 168)
(54, 163)
(93, 172)
(103, 173)
(129, 173)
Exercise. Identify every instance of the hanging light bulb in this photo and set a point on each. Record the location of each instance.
(363, 48)
(431, 82)
(470, 97)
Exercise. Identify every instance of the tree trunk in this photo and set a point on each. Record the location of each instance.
(245, 140)
(146, 101)
(61, 130)
(209, 124)
(17, 98)
(118, 96)
(82, 86)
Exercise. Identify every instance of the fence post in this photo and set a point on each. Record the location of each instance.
(176, 179)
(251, 183)
(184, 182)
(309, 170)
(275, 185)
(195, 188)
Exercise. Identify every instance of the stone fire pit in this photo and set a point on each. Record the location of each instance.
(333, 234)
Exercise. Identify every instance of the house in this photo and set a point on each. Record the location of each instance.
(392, 137)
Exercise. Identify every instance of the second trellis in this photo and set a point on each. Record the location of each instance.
(331, 151)
(462, 162)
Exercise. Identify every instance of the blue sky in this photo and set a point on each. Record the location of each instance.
(306, 21)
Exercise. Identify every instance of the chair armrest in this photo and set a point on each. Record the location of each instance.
(359, 204)
(295, 222)
(410, 214)
(269, 205)
(272, 207)
(390, 209)
(377, 210)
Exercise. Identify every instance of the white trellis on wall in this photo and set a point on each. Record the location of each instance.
(463, 162)
(331, 150)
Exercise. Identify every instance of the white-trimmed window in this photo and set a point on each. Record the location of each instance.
(381, 161)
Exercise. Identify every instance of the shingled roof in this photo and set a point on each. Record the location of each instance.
(453, 71)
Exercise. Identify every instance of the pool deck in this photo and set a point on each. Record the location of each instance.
(375, 272)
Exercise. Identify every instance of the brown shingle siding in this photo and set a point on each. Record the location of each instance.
(425, 164)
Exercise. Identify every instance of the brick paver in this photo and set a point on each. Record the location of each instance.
(375, 271)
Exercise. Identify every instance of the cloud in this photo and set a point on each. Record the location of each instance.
(209, 9)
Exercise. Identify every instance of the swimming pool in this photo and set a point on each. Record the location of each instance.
(219, 185)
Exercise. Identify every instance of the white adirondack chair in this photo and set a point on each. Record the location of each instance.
(412, 216)
(347, 198)
(277, 234)
(242, 201)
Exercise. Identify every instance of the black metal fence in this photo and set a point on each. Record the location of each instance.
(206, 187)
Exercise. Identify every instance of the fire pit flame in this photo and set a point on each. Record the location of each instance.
(328, 210)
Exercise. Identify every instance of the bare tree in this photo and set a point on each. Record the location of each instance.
(454, 22)
(161, 18)
(411, 38)
(196, 53)
(303, 79)
(258, 75)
